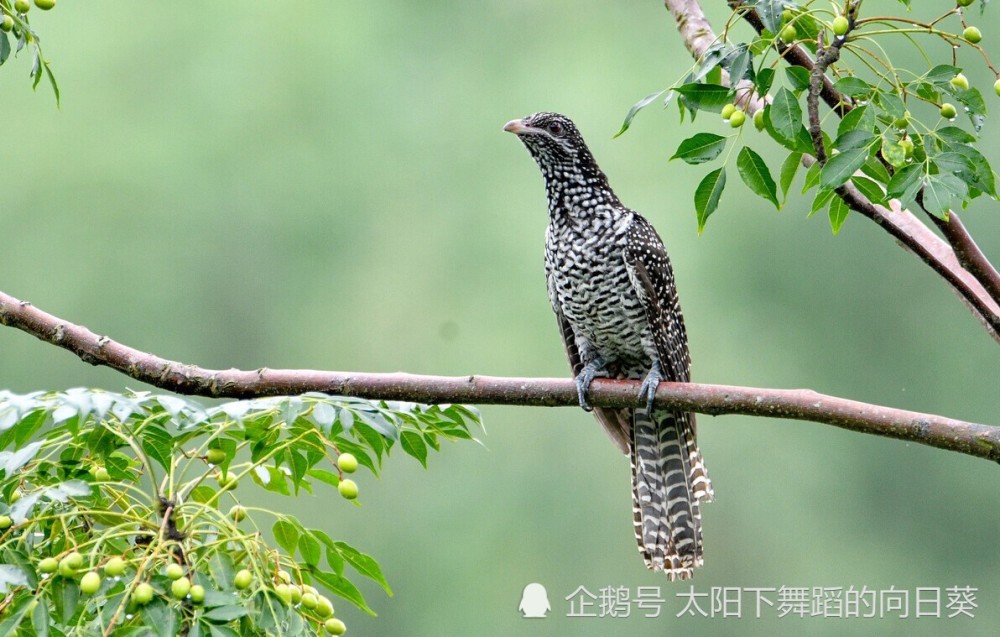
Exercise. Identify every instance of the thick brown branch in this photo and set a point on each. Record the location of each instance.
(973, 439)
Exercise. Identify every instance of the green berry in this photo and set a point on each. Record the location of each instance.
(335, 627)
(285, 577)
(15, 495)
(197, 593)
(238, 513)
(296, 594)
(5, 522)
(348, 488)
(347, 462)
(965, 3)
(48, 565)
(143, 593)
(174, 571)
(309, 589)
(789, 34)
(324, 608)
(737, 118)
(758, 119)
(309, 601)
(960, 82)
(996, 87)
(227, 481)
(973, 34)
(45, 5)
(180, 587)
(6, 24)
(114, 567)
(101, 474)
(90, 582)
(74, 559)
(948, 111)
(21, 6)
(243, 579)
(216, 456)
(840, 25)
(727, 112)
(284, 592)
(787, 15)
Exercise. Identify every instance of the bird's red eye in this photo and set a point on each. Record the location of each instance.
(555, 128)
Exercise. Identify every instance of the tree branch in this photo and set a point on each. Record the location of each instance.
(973, 439)
(948, 261)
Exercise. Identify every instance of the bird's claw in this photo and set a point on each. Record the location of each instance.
(586, 376)
(649, 385)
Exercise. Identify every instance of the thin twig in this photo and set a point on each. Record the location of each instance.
(977, 440)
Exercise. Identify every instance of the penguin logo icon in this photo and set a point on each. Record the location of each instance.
(534, 601)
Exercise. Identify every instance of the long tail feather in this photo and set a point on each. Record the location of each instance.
(668, 483)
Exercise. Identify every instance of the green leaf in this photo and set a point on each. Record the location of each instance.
(853, 86)
(226, 614)
(310, 549)
(942, 74)
(788, 169)
(364, 564)
(955, 135)
(874, 169)
(770, 13)
(341, 586)
(323, 475)
(838, 213)
(700, 148)
(706, 97)
(982, 177)
(870, 189)
(638, 106)
(798, 78)
(756, 175)
(413, 444)
(905, 184)
(739, 63)
(940, 191)
(786, 114)
(819, 201)
(893, 153)
(706, 195)
(812, 177)
(161, 618)
(860, 118)
(840, 167)
(286, 535)
(765, 77)
(890, 103)
(975, 106)
(4, 47)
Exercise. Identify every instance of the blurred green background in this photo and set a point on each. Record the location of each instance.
(326, 185)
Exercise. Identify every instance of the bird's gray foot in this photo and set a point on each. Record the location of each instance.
(586, 376)
(649, 385)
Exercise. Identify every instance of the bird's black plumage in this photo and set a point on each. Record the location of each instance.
(612, 289)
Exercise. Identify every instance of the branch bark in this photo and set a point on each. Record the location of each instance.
(982, 441)
(958, 261)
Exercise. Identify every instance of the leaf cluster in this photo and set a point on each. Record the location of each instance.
(143, 481)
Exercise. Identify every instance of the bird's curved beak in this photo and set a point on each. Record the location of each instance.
(516, 126)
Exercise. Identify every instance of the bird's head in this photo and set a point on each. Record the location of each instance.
(558, 148)
(553, 140)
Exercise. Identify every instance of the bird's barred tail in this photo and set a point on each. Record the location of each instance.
(669, 483)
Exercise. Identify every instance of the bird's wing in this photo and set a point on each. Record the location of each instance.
(653, 281)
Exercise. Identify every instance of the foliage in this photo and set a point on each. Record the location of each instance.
(115, 513)
(900, 135)
(16, 24)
